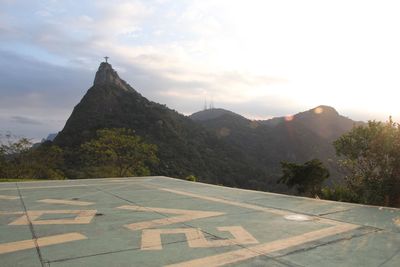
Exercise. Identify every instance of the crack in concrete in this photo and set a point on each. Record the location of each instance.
(106, 253)
(316, 216)
(159, 213)
(189, 225)
(281, 261)
(333, 212)
(353, 236)
(390, 258)
(34, 237)
(284, 262)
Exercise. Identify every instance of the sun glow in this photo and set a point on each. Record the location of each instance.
(258, 58)
(351, 63)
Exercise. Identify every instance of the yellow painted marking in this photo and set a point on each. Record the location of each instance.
(249, 206)
(118, 180)
(44, 187)
(66, 202)
(6, 197)
(64, 186)
(151, 238)
(240, 235)
(183, 216)
(11, 212)
(102, 182)
(247, 253)
(229, 202)
(42, 242)
(262, 249)
(83, 217)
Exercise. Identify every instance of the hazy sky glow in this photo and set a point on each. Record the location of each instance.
(257, 58)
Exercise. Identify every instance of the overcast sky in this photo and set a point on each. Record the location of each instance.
(257, 58)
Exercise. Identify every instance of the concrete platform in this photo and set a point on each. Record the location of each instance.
(160, 221)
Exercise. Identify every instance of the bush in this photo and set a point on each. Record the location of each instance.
(191, 178)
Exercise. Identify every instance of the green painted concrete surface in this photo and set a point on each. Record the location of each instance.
(112, 220)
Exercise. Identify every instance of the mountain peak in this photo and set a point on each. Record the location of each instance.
(213, 113)
(325, 110)
(106, 75)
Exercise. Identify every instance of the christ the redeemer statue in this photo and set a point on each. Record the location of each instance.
(106, 59)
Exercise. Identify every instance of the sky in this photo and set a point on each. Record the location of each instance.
(260, 59)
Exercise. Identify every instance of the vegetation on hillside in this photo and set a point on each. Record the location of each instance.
(19, 160)
(370, 158)
(118, 153)
(112, 153)
(183, 146)
(307, 177)
(372, 163)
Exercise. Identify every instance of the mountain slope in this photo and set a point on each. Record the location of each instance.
(324, 121)
(302, 137)
(216, 145)
(185, 147)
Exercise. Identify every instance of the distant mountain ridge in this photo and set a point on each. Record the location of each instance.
(323, 120)
(216, 145)
(296, 138)
(212, 113)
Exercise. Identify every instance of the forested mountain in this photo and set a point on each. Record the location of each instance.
(184, 146)
(324, 121)
(297, 138)
(216, 145)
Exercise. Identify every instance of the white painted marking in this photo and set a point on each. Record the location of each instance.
(151, 238)
(65, 202)
(298, 217)
(41, 241)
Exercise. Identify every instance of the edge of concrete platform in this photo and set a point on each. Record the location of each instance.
(284, 195)
(85, 179)
(212, 185)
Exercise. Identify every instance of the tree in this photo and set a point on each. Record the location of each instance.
(191, 178)
(3, 163)
(47, 161)
(307, 177)
(14, 156)
(19, 159)
(118, 152)
(372, 161)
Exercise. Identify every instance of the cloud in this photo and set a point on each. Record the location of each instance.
(24, 120)
(27, 82)
(37, 97)
(259, 58)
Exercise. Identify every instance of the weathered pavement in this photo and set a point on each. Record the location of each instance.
(160, 221)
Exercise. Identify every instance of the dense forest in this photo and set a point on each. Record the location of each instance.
(369, 154)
